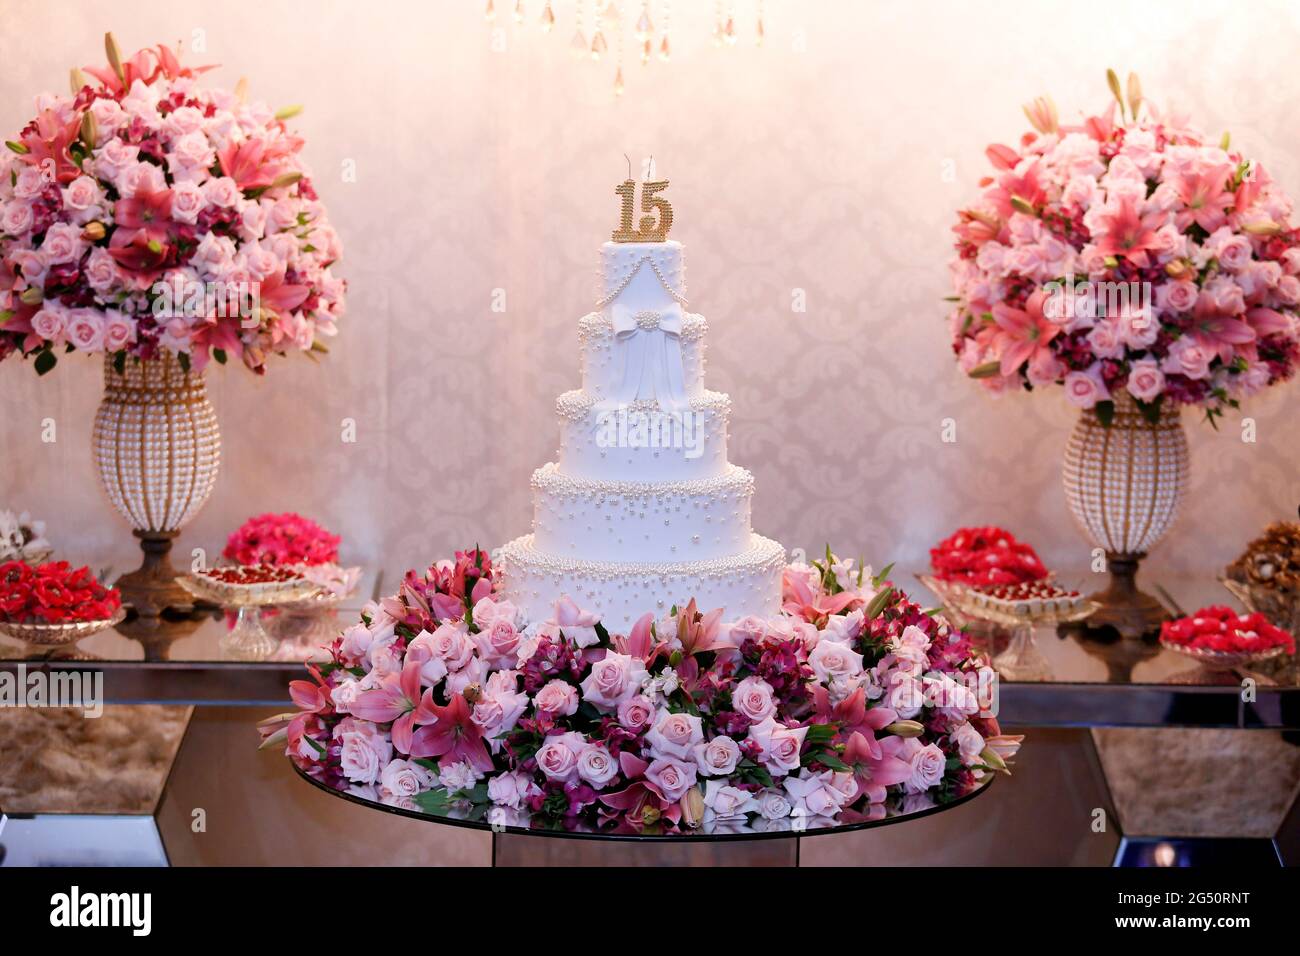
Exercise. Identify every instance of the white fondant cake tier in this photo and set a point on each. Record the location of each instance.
(603, 520)
(748, 582)
(641, 441)
(605, 356)
(642, 275)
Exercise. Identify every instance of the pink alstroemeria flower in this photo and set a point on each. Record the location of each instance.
(1021, 333)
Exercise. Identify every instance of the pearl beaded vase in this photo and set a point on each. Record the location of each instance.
(157, 448)
(1124, 484)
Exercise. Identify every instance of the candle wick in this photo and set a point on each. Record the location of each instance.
(629, 165)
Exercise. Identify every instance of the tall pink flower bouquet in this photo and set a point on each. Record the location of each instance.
(1126, 253)
(443, 695)
(144, 214)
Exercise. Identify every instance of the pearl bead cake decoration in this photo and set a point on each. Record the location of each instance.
(642, 510)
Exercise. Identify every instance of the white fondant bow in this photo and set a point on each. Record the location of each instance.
(652, 350)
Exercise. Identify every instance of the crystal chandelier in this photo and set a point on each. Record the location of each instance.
(599, 27)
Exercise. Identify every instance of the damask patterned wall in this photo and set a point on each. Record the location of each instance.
(825, 165)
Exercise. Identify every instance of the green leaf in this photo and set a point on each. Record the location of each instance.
(1151, 410)
(1105, 412)
(219, 355)
(45, 360)
(987, 370)
(6, 315)
(879, 603)
(119, 361)
(880, 578)
(184, 359)
(819, 733)
(433, 801)
(832, 761)
(427, 764)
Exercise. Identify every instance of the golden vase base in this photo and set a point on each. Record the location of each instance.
(1133, 613)
(151, 589)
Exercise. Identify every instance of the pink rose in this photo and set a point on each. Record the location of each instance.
(17, 218)
(613, 679)
(927, 768)
(187, 202)
(1231, 249)
(1105, 339)
(365, 750)
(511, 789)
(746, 629)
(222, 192)
(675, 735)
(597, 766)
(86, 330)
(452, 645)
(1177, 296)
(191, 156)
(752, 698)
(119, 331)
(557, 699)
(140, 178)
(82, 194)
(63, 243)
(102, 272)
(779, 745)
(1086, 389)
(1145, 380)
(498, 641)
(717, 758)
(48, 322)
(403, 778)
(636, 713)
(1187, 357)
(831, 659)
(815, 796)
(726, 801)
(969, 744)
(558, 757)
(673, 777)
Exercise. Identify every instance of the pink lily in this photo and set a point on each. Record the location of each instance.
(47, 141)
(146, 65)
(876, 763)
(280, 296)
(813, 608)
(1217, 331)
(639, 643)
(641, 795)
(451, 732)
(698, 636)
(252, 164)
(397, 699)
(1206, 196)
(1022, 333)
(1124, 232)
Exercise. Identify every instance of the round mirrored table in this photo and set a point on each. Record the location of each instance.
(519, 839)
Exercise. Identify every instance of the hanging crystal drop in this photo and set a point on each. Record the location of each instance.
(618, 82)
(491, 12)
(647, 48)
(643, 26)
(598, 45)
(519, 11)
(665, 52)
(758, 33)
(548, 18)
(579, 42)
(730, 32)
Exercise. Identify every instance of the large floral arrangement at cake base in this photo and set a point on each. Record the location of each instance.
(126, 207)
(443, 694)
(1077, 217)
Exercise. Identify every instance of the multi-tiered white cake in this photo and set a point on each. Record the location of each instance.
(642, 510)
